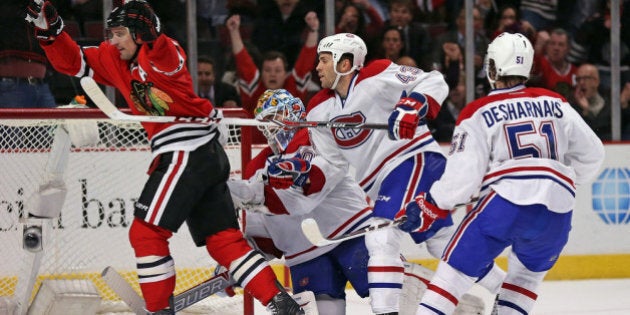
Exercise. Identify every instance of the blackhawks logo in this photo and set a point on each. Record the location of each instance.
(149, 99)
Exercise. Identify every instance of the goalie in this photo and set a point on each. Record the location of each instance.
(289, 182)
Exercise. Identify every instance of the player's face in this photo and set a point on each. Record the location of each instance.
(325, 70)
(273, 74)
(120, 37)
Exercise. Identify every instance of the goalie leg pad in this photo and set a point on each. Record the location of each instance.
(415, 284)
(470, 305)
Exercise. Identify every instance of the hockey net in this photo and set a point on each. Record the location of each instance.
(103, 178)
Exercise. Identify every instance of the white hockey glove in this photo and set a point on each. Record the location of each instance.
(248, 195)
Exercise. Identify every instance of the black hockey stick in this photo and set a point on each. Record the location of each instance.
(311, 230)
(104, 104)
(181, 301)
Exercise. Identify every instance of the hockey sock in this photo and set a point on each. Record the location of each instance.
(247, 267)
(156, 268)
(519, 291)
(445, 290)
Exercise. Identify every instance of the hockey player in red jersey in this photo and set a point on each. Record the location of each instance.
(187, 178)
(527, 149)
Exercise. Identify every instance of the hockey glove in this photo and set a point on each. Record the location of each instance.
(293, 172)
(45, 19)
(420, 213)
(406, 116)
(143, 22)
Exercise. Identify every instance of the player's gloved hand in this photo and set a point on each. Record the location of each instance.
(44, 17)
(286, 173)
(407, 113)
(146, 26)
(420, 213)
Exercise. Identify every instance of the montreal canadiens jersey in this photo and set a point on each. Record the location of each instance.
(527, 144)
(158, 84)
(332, 198)
(372, 96)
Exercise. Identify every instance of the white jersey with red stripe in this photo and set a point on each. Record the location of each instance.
(527, 144)
(332, 197)
(372, 96)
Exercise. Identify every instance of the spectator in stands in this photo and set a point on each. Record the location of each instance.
(442, 126)
(456, 36)
(274, 72)
(391, 46)
(552, 70)
(510, 21)
(591, 43)
(280, 27)
(416, 39)
(23, 65)
(594, 108)
(221, 94)
(406, 61)
(353, 19)
(541, 15)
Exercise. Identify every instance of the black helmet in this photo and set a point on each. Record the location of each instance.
(129, 14)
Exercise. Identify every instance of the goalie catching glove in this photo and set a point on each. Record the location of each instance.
(420, 214)
(406, 116)
(286, 173)
(44, 17)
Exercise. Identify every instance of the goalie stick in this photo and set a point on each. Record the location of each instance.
(311, 230)
(180, 301)
(104, 104)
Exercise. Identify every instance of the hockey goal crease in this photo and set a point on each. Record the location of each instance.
(92, 168)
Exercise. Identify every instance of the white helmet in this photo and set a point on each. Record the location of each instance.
(511, 55)
(344, 43)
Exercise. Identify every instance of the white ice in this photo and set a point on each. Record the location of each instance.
(576, 297)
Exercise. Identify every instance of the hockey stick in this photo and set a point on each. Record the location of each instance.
(104, 104)
(181, 301)
(311, 230)
(120, 286)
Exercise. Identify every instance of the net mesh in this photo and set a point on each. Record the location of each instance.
(103, 175)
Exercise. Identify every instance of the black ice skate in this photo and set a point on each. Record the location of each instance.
(284, 304)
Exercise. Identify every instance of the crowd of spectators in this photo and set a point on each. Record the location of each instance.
(277, 38)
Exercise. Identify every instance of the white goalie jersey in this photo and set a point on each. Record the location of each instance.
(372, 95)
(332, 197)
(527, 144)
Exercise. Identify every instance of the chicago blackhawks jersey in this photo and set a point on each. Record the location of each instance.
(157, 84)
(372, 95)
(527, 144)
(332, 197)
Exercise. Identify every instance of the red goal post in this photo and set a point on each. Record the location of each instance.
(102, 175)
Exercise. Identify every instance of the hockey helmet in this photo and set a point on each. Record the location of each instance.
(280, 105)
(128, 15)
(509, 55)
(344, 43)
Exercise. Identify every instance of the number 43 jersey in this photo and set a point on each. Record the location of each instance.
(527, 144)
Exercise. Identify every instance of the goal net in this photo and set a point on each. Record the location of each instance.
(95, 182)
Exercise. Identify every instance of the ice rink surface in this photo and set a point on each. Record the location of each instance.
(577, 297)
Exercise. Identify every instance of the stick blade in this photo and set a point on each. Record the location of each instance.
(120, 286)
(310, 229)
(98, 97)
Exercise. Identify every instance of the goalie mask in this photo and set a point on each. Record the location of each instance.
(509, 55)
(279, 105)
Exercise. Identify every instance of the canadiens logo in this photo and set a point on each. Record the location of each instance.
(149, 99)
(347, 138)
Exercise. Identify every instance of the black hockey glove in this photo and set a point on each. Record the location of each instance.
(44, 18)
(143, 22)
